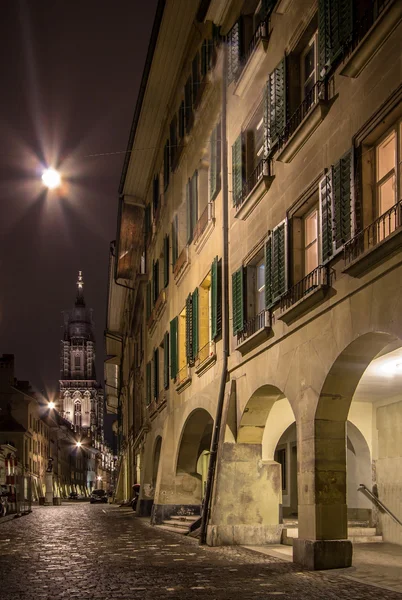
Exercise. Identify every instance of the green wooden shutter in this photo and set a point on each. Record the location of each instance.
(174, 239)
(275, 105)
(268, 272)
(195, 322)
(166, 165)
(166, 261)
(195, 70)
(237, 170)
(237, 301)
(267, 7)
(155, 281)
(156, 374)
(325, 192)
(173, 348)
(335, 29)
(278, 273)
(216, 299)
(148, 300)
(342, 184)
(166, 360)
(148, 384)
(234, 53)
(189, 329)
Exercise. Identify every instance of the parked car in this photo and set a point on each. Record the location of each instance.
(98, 496)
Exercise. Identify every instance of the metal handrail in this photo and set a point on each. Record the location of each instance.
(320, 276)
(263, 169)
(374, 498)
(364, 24)
(259, 321)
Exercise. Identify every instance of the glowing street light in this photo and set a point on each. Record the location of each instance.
(78, 444)
(51, 405)
(99, 478)
(51, 178)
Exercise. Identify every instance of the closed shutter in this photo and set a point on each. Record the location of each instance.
(166, 165)
(155, 281)
(234, 50)
(237, 301)
(215, 163)
(147, 221)
(173, 141)
(174, 239)
(189, 329)
(156, 374)
(275, 106)
(278, 268)
(155, 196)
(166, 260)
(148, 300)
(195, 323)
(325, 192)
(195, 70)
(216, 299)
(342, 185)
(148, 384)
(268, 272)
(188, 104)
(335, 29)
(166, 360)
(173, 348)
(267, 7)
(237, 170)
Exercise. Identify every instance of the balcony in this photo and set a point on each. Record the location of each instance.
(204, 227)
(304, 121)
(157, 310)
(181, 265)
(308, 292)
(205, 358)
(254, 189)
(370, 33)
(183, 379)
(255, 331)
(253, 58)
(375, 243)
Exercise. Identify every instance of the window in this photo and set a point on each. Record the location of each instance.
(280, 457)
(166, 165)
(254, 141)
(215, 162)
(204, 316)
(386, 173)
(77, 361)
(310, 245)
(192, 205)
(255, 285)
(309, 70)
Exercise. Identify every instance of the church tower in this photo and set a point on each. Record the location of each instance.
(81, 396)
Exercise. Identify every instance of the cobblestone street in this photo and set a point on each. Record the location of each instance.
(90, 552)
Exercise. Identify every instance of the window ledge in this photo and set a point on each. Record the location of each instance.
(183, 380)
(157, 310)
(254, 197)
(304, 131)
(181, 265)
(205, 230)
(310, 299)
(202, 362)
(373, 40)
(255, 339)
(251, 68)
(157, 406)
(368, 259)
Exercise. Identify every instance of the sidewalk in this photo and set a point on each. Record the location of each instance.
(379, 565)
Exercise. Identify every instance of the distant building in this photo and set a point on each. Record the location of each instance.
(81, 396)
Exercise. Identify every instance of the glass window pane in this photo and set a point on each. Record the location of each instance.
(309, 62)
(386, 156)
(386, 193)
(260, 276)
(310, 228)
(311, 258)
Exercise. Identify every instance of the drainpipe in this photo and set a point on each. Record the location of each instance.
(225, 311)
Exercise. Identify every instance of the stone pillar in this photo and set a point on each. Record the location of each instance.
(247, 498)
(322, 541)
(49, 487)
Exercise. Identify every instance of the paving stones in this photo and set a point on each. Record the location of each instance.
(83, 552)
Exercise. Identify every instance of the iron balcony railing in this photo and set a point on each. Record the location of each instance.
(204, 353)
(320, 276)
(181, 260)
(182, 375)
(363, 24)
(260, 321)
(261, 33)
(318, 92)
(202, 222)
(263, 169)
(374, 233)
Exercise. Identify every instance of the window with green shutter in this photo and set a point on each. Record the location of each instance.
(237, 170)
(173, 348)
(166, 165)
(275, 264)
(196, 78)
(335, 29)
(155, 281)
(166, 360)
(192, 205)
(325, 194)
(189, 329)
(166, 261)
(342, 185)
(216, 298)
(238, 300)
(148, 376)
(275, 106)
(175, 239)
(234, 41)
(155, 197)
(215, 162)
(156, 374)
(195, 323)
(148, 300)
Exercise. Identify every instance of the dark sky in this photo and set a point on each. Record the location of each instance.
(69, 78)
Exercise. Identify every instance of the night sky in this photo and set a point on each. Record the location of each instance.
(70, 73)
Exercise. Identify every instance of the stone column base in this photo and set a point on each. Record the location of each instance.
(322, 554)
(144, 507)
(244, 535)
(162, 512)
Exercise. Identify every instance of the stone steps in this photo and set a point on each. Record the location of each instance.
(357, 535)
(179, 524)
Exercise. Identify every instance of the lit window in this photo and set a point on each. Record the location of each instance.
(385, 175)
(204, 313)
(310, 242)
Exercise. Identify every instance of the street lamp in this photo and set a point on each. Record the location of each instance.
(78, 444)
(51, 405)
(51, 178)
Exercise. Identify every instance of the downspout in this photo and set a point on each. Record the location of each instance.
(225, 311)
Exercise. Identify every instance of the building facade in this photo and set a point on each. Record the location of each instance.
(254, 337)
